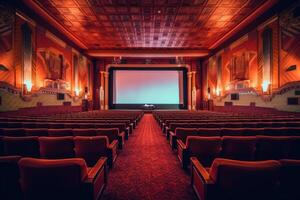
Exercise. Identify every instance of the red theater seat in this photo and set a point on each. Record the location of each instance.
(113, 135)
(236, 180)
(36, 132)
(61, 179)
(84, 132)
(289, 179)
(239, 147)
(60, 132)
(13, 132)
(56, 147)
(92, 148)
(9, 178)
(21, 146)
(272, 147)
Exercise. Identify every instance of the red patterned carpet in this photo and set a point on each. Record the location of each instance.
(147, 168)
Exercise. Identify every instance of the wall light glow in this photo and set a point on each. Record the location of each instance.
(77, 91)
(265, 86)
(28, 85)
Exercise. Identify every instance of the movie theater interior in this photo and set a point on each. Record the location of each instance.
(150, 99)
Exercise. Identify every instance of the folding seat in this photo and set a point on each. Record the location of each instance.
(236, 180)
(60, 132)
(14, 125)
(28, 124)
(232, 131)
(272, 147)
(62, 179)
(181, 134)
(41, 125)
(86, 125)
(9, 178)
(289, 179)
(204, 148)
(253, 131)
(292, 131)
(22, 146)
(56, 125)
(84, 132)
(275, 131)
(36, 132)
(113, 136)
(71, 125)
(294, 148)
(56, 147)
(239, 147)
(92, 148)
(13, 132)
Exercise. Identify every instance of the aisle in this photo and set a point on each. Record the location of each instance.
(147, 168)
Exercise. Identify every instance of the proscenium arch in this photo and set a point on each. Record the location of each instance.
(105, 79)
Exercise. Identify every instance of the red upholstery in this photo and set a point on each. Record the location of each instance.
(52, 179)
(91, 148)
(56, 147)
(289, 179)
(9, 178)
(110, 133)
(206, 149)
(60, 132)
(239, 148)
(13, 132)
(245, 180)
(36, 132)
(22, 146)
(84, 132)
(182, 133)
(272, 148)
(294, 147)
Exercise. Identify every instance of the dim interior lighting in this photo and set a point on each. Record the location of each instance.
(77, 91)
(265, 86)
(218, 91)
(28, 85)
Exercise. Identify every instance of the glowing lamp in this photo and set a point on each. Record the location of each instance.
(28, 85)
(77, 91)
(218, 91)
(265, 86)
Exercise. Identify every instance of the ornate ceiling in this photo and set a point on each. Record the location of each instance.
(149, 24)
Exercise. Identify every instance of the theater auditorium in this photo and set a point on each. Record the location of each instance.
(149, 99)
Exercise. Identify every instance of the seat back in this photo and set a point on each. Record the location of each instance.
(239, 147)
(56, 147)
(91, 148)
(27, 146)
(9, 177)
(84, 132)
(237, 180)
(182, 133)
(110, 133)
(52, 179)
(60, 132)
(13, 132)
(206, 149)
(36, 132)
(289, 179)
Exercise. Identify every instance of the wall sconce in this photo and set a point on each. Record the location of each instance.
(265, 86)
(77, 91)
(28, 85)
(218, 91)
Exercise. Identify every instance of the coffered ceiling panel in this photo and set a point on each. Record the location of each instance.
(143, 24)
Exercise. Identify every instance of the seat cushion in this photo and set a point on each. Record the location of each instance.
(56, 147)
(23, 146)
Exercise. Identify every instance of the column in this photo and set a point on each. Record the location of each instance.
(189, 74)
(193, 87)
(106, 76)
(101, 90)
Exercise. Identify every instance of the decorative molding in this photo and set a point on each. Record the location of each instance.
(238, 42)
(266, 23)
(55, 39)
(25, 18)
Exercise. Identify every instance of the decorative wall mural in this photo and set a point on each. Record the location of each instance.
(6, 28)
(290, 43)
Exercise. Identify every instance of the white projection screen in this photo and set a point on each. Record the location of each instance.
(158, 87)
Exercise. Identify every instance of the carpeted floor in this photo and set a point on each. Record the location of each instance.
(147, 168)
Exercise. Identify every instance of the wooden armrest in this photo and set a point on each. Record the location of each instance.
(201, 170)
(172, 133)
(113, 144)
(181, 144)
(112, 153)
(96, 169)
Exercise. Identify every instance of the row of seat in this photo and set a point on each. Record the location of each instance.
(111, 133)
(247, 180)
(182, 133)
(206, 149)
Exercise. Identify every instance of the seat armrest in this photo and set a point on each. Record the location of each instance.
(112, 153)
(183, 154)
(173, 140)
(96, 180)
(121, 140)
(200, 180)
